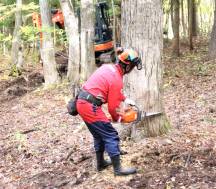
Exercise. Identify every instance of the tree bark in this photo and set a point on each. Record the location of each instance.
(194, 18)
(183, 18)
(72, 30)
(87, 39)
(212, 42)
(142, 29)
(16, 51)
(175, 26)
(51, 75)
(190, 23)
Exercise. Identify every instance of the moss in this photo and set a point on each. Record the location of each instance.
(166, 127)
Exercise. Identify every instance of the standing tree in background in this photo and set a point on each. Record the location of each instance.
(212, 42)
(142, 29)
(190, 23)
(194, 18)
(16, 51)
(47, 50)
(72, 30)
(87, 38)
(183, 18)
(175, 26)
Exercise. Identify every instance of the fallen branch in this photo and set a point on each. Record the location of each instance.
(29, 131)
(188, 159)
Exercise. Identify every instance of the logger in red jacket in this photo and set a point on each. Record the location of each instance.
(105, 85)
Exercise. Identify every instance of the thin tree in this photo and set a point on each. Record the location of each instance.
(175, 26)
(16, 51)
(212, 42)
(183, 18)
(142, 29)
(72, 30)
(47, 51)
(194, 18)
(87, 38)
(190, 23)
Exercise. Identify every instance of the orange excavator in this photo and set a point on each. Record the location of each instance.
(103, 33)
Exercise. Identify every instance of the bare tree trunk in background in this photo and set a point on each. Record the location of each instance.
(47, 50)
(190, 23)
(118, 30)
(87, 39)
(16, 51)
(212, 42)
(166, 18)
(194, 18)
(183, 18)
(145, 86)
(114, 26)
(72, 30)
(175, 27)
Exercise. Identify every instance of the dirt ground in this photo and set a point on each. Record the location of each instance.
(41, 146)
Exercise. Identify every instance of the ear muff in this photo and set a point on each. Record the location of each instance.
(127, 68)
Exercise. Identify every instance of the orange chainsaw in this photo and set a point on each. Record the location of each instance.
(133, 114)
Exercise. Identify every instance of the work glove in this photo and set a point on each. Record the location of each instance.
(129, 102)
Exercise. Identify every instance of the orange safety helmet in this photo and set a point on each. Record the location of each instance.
(129, 57)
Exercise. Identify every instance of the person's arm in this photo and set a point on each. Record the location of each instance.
(115, 97)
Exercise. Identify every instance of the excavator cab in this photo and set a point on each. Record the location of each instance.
(103, 32)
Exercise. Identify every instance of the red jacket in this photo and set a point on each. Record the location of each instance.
(105, 83)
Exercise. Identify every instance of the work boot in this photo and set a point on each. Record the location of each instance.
(101, 162)
(118, 170)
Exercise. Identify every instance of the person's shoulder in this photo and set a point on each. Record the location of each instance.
(109, 67)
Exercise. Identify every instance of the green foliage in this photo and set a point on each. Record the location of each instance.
(166, 6)
(6, 39)
(7, 12)
(29, 33)
(21, 139)
(15, 71)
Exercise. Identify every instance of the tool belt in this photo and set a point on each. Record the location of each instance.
(90, 98)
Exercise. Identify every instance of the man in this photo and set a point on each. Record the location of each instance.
(105, 86)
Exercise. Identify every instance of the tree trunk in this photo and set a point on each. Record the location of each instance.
(212, 42)
(175, 26)
(194, 18)
(114, 26)
(190, 23)
(16, 51)
(87, 39)
(47, 50)
(142, 29)
(183, 18)
(72, 30)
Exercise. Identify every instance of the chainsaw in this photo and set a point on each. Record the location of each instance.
(133, 114)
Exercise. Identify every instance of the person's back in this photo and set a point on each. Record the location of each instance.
(107, 77)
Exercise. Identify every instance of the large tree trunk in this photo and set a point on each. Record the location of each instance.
(72, 30)
(16, 51)
(47, 50)
(87, 38)
(142, 29)
(212, 42)
(175, 27)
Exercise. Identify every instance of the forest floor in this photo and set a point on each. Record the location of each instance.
(41, 146)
